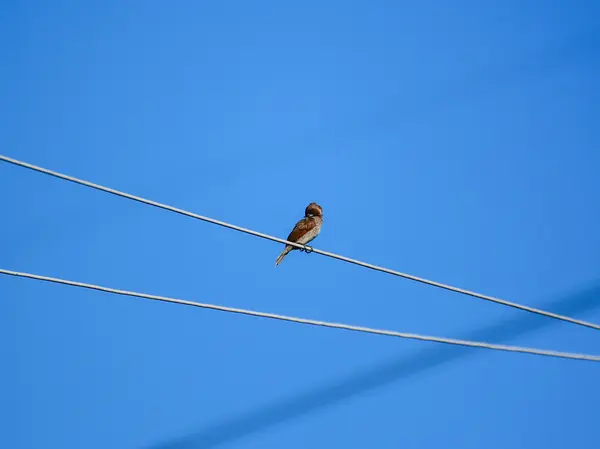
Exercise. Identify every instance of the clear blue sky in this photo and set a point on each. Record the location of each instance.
(452, 140)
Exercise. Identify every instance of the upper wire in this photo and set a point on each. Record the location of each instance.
(298, 245)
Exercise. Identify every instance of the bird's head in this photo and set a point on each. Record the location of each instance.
(313, 210)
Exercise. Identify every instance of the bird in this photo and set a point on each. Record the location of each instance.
(305, 230)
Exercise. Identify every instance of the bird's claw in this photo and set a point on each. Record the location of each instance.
(307, 249)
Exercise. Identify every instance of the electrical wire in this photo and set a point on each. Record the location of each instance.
(297, 245)
(450, 341)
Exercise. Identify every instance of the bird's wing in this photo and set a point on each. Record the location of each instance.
(301, 228)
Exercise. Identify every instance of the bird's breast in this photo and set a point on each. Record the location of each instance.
(312, 232)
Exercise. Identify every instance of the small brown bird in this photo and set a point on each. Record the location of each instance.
(305, 230)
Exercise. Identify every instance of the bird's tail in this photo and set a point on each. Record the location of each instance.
(284, 253)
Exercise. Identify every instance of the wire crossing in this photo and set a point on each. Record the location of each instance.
(450, 341)
(297, 245)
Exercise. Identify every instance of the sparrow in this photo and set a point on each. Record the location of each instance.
(305, 230)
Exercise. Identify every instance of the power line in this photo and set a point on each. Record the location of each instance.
(450, 341)
(297, 245)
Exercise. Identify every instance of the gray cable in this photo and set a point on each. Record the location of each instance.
(297, 245)
(451, 341)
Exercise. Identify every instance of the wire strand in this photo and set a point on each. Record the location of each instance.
(297, 245)
(450, 341)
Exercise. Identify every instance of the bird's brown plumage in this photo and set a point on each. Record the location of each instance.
(305, 230)
(301, 228)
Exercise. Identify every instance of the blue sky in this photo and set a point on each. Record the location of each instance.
(452, 140)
